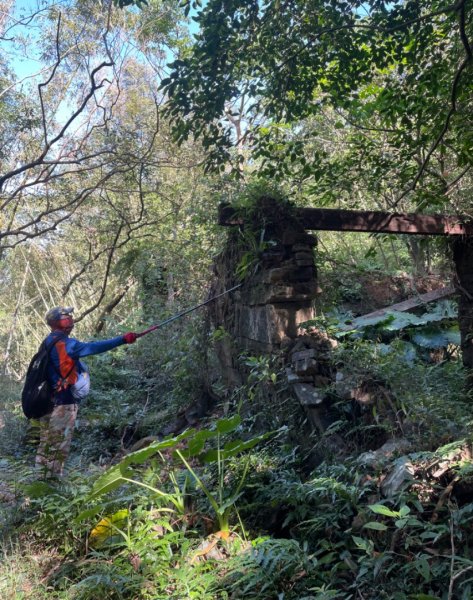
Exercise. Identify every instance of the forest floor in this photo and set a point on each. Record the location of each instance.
(388, 518)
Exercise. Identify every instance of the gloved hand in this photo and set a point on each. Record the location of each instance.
(130, 338)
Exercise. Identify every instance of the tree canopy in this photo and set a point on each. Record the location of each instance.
(93, 191)
(393, 77)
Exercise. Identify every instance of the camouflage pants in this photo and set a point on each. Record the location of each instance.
(56, 431)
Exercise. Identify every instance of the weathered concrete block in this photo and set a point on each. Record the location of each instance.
(302, 248)
(302, 274)
(304, 262)
(322, 381)
(399, 477)
(271, 324)
(283, 292)
(315, 419)
(289, 237)
(304, 256)
(304, 362)
(293, 294)
(377, 458)
(303, 354)
(307, 394)
(307, 238)
(306, 366)
(292, 237)
(272, 258)
(277, 275)
(292, 377)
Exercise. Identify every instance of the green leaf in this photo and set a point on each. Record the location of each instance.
(365, 545)
(118, 474)
(375, 525)
(228, 425)
(400, 523)
(102, 506)
(228, 503)
(433, 337)
(380, 509)
(404, 511)
(328, 558)
(110, 480)
(194, 447)
(233, 448)
(423, 567)
(105, 528)
(196, 443)
(381, 320)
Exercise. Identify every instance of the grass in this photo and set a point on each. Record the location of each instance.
(23, 569)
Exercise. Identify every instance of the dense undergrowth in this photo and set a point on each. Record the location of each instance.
(178, 487)
(248, 506)
(248, 501)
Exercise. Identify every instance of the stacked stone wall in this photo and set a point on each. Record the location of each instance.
(279, 293)
(265, 314)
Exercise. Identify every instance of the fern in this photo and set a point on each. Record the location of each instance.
(194, 582)
(106, 585)
(267, 566)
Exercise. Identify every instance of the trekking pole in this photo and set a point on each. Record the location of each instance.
(185, 312)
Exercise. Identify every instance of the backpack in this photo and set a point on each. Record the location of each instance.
(37, 395)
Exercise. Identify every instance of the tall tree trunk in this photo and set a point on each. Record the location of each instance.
(107, 311)
(463, 258)
(417, 252)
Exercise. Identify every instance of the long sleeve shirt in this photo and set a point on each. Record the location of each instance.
(65, 365)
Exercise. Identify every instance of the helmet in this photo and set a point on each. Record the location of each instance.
(60, 317)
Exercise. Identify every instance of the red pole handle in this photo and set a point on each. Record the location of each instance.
(149, 330)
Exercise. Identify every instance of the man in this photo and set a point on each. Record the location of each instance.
(68, 377)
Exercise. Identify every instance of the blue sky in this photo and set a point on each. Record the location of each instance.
(14, 49)
(26, 66)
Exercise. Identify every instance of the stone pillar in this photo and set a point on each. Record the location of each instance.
(273, 303)
(277, 295)
(279, 288)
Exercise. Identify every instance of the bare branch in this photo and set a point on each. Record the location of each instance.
(453, 184)
(94, 86)
(22, 232)
(105, 277)
(110, 306)
(48, 81)
(94, 257)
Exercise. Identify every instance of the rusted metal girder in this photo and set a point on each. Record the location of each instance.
(332, 219)
(382, 222)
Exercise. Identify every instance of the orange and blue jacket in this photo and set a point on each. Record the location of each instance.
(65, 365)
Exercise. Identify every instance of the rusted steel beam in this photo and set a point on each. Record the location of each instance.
(331, 219)
(382, 222)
